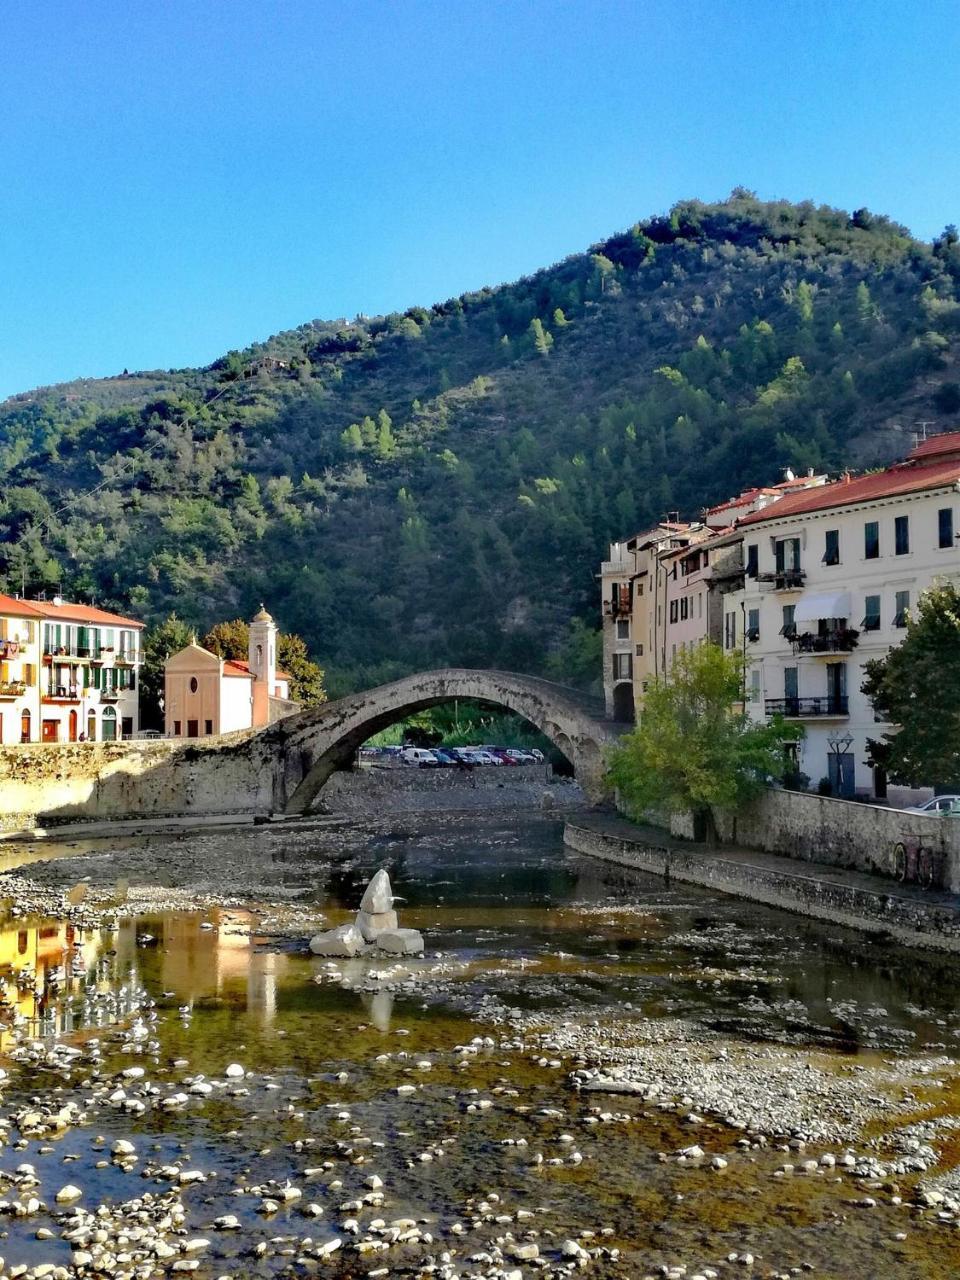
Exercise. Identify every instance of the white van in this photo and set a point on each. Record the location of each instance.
(419, 756)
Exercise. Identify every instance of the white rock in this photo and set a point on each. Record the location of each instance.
(345, 940)
(378, 895)
(401, 942)
(235, 1071)
(68, 1193)
(123, 1148)
(372, 924)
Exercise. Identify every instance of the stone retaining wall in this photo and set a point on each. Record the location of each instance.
(908, 919)
(841, 833)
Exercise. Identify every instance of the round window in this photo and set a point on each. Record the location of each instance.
(193, 684)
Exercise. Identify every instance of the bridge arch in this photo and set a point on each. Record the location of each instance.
(316, 743)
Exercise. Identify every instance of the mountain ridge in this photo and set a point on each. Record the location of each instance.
(436, 486)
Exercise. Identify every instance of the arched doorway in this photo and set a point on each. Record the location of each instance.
(91, 726)
(623, 710)
(25, 726)
(73, 726)
(109, 725)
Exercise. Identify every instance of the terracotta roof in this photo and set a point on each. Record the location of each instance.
(936, 446)
(82, 613)
(243, 669)
(19, 608)
(904, 478)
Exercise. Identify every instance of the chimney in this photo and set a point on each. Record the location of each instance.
(788, 474)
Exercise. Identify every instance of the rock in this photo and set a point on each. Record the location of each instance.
(345, 940)
(401, 942)
(378, 895)
(235, 1071)
(372, 924)
(123, 1148)
(68, 1193)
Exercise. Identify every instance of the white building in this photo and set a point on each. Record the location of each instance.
(20, 624)
(89, 673)
(830, 576)
(206, 695)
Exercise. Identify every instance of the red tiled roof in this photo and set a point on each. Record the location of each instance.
(240, 668)
(906, 477)
(936, 446)
(19, 608)
(82, 613)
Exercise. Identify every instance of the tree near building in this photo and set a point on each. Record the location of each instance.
(695, 750)
(232, 640)
(917, 687)
(170, 636)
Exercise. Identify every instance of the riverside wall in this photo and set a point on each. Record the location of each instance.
(838, 833)
(384, 790)
(912, 917)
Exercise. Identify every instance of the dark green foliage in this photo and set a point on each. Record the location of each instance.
(917, 686)
(438, 487)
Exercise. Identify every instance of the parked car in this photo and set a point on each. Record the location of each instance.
(419, 756)
(521, 756)
(939, 805)
(444, 757)
(503, 756)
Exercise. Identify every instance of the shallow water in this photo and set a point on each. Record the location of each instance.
(523, 929)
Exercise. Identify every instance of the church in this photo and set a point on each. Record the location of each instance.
(205, 695)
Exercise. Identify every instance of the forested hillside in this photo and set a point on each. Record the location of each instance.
(439, 486)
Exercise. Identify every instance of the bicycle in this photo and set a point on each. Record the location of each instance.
(917, 862)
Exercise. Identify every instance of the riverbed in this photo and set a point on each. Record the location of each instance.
(588, 1070)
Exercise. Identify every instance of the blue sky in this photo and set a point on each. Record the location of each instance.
(182, 178)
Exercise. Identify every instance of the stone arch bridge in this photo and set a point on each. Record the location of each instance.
(303, 750)
(282, 768)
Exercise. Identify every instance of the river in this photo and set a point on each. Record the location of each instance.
(454, 1115)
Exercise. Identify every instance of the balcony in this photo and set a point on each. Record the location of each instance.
(835, 707)
(783, 580)
(62, 695)
(843, 640)
(10, 650)
(12, 688)
(123, 660)
(109, 695)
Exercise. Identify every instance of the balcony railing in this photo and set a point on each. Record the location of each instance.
(12, 688)
(841, 641)
(63, 693)
(808, 708)
(783, 580)
(67, 653)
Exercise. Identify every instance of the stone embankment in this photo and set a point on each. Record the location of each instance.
(914, 916)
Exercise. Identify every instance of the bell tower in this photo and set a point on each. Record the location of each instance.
(263, 664)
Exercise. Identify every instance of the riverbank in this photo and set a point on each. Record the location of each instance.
(916, 917)
(590, 1070)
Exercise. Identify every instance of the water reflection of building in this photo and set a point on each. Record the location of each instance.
(221, 961)
(48, 969)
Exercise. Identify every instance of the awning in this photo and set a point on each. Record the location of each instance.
(815, 605)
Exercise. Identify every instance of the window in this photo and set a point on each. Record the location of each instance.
(639, 589)
(674, 610)
(791, 686)
(901, 535)
(788, 555)
(684, 609)
(755, 684)
(945, 524)
(193, 684)
(622, 666)
(871, 540)
(753, 562)
(623, 633)
(789, 628)
(901, 607)
(699, 604)
(871, 614)
(730, 630)
(639, 650)
(753, 624)
(831, 550)
(208, 727)
(176, 728)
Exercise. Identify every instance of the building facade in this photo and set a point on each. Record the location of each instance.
(830, 578)
(68, 672)
(206, 695)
